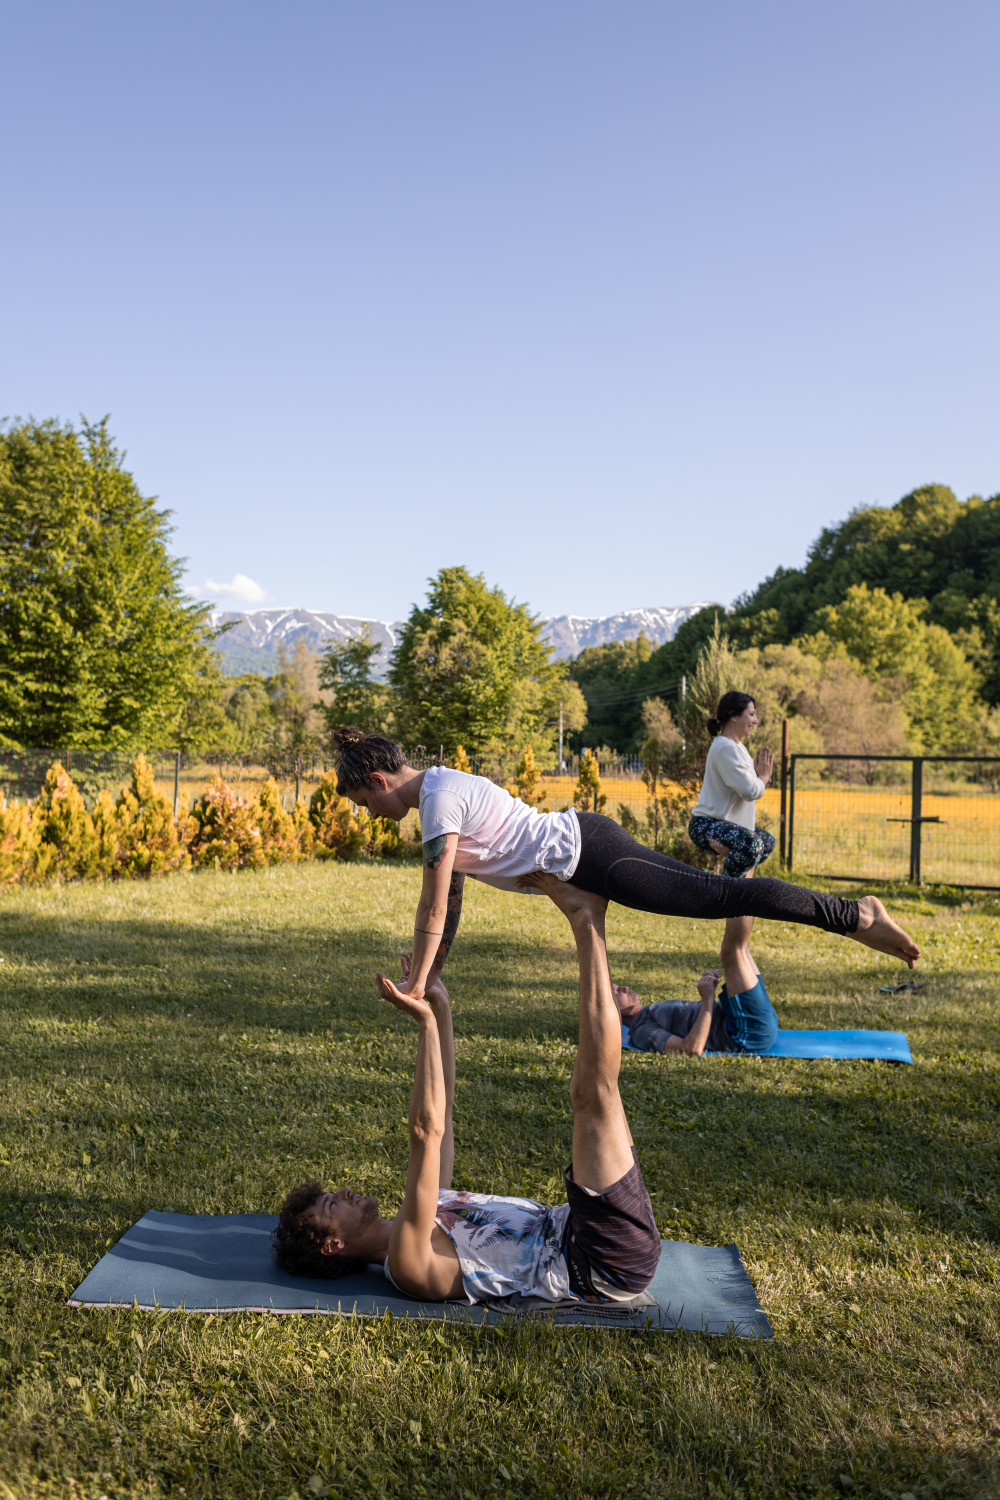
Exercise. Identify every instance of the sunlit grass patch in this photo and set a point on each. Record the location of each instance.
(202, 1043)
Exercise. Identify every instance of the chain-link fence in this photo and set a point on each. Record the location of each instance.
(23, 772)
(932, 818)
(920, 818)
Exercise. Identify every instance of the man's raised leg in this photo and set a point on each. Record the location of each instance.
(602, 1142)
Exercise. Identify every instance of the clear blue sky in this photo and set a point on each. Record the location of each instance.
(616, 303)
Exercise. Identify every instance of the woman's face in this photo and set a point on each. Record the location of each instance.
(381, 799)
(744, 723)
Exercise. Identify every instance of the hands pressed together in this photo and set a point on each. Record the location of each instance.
(764, 764)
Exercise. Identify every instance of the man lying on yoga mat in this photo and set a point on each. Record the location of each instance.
(742, 1019)
(601, 1245)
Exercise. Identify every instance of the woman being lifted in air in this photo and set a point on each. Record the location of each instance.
(471, 826)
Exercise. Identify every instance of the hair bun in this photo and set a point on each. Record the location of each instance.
(348, 736)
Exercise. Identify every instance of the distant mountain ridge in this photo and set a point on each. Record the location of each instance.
(252, 643)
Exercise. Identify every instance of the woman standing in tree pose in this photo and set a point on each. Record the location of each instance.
(724, 820)
(470, 826)
(725, 816)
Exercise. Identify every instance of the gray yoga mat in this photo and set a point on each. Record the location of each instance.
(207, 1263)
(890, 1046)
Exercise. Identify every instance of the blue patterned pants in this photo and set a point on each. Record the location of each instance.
(746, 850)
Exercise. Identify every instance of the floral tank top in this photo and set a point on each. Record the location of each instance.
(506, 1246)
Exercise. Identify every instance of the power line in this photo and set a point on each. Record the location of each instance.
(650, 690)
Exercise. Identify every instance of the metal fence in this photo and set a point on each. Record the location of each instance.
(181, 778)
(895, 817)
(923, 818)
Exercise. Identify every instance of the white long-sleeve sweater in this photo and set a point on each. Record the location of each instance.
(731, 786)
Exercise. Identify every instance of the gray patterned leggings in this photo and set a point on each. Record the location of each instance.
(747, 849)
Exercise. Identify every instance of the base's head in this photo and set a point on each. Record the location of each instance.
(320, 1233)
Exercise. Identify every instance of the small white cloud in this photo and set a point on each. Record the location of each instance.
(242, 590)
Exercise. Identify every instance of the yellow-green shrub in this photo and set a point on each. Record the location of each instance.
(223, 830)
(67, 845)
(278, 834)
(337, 832)
(148, 841)
(304, 831)
(106, 832)
(19, 839)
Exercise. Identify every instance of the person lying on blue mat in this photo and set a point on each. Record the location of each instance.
(601, 1245)
(742, 1019)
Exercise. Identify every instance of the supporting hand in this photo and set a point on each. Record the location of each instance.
(410, 1005)
(435, 991)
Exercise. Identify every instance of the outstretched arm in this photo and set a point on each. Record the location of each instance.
(412, 1259)
(440, 1003)
(429, 927)
(456, 890)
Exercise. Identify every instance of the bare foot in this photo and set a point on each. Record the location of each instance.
(877, 930)
(571, 901)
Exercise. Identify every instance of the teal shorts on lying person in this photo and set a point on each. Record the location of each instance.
(751, 1019)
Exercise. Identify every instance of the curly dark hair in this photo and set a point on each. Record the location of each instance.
(359, 754)
(298, 1241)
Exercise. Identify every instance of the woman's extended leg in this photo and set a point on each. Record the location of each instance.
(613, 865)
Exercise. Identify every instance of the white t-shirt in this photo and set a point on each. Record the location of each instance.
(731, 787)
(499, 836)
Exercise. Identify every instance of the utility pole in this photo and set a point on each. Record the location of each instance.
(561, 767)
(684, 693)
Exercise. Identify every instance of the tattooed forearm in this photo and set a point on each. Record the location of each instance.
(434, 851)
(452, 918)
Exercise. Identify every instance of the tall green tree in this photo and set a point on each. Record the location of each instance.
(921, 663)
(294, 692)
(470, 668)
(928, 547)
(356, 695)
(98, 643)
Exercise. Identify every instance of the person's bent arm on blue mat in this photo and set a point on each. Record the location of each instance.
(656, 1038)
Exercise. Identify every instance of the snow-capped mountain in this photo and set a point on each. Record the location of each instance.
(251, 645)
(569, 634)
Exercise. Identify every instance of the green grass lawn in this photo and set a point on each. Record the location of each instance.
(202, 1043)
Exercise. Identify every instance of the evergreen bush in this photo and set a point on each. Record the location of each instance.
(587, 794)
(148, 841)
(107, 831)
(66, 847)
(19, 839)
(337, 832)
(279, 836)
(526, 779)
(222, 830)
(304, 831)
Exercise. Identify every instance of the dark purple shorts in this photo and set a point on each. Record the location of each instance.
(613, 1236)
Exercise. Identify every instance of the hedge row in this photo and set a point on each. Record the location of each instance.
(57, 838)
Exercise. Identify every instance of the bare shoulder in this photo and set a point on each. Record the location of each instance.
(430, 1271)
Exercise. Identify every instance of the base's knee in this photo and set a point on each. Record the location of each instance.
(592, 1093)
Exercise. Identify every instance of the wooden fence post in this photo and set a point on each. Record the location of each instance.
(783, 822)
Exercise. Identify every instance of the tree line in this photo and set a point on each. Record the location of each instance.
(886, 640)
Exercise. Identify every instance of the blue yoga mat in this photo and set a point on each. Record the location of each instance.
(207, 1263)
(891, 1046)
